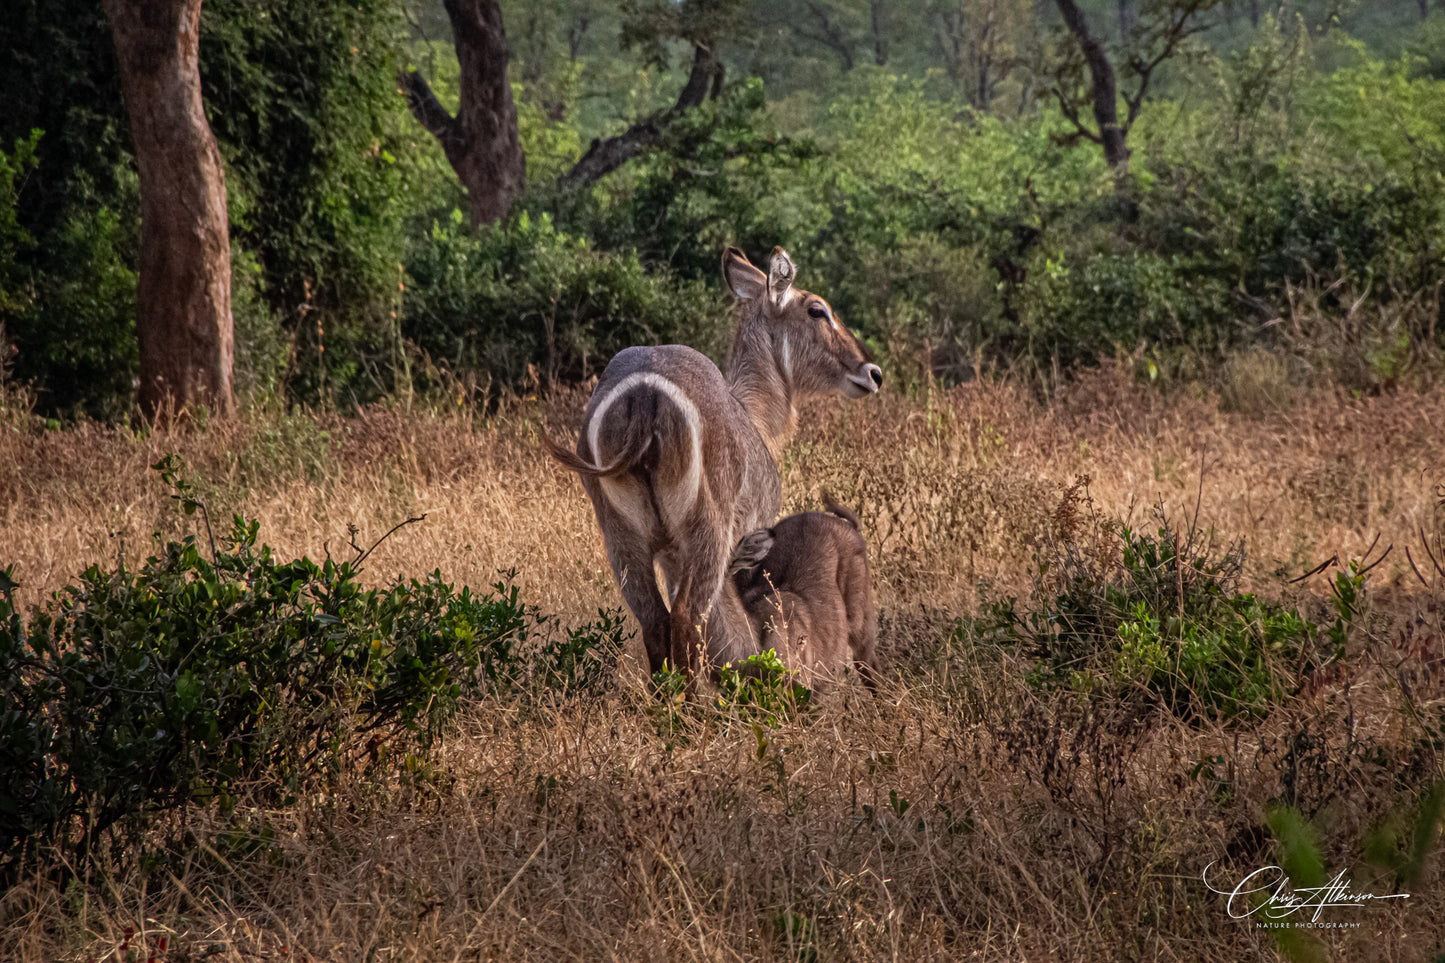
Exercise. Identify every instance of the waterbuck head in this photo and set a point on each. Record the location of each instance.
(789, 341)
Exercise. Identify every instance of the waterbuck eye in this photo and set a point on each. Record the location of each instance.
(817, 311)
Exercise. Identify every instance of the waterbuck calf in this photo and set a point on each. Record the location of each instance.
(804, 585)
(678, 459)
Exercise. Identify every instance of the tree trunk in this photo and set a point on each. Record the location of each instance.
(1106, 97)
(183, 305)
(481, 141)
(880, 32)
(830, 35)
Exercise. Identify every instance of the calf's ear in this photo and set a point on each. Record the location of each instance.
(750, 552)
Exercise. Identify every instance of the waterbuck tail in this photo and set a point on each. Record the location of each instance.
(844, 513)
(624, 461)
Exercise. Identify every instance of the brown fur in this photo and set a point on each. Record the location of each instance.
(804, 584)
(684, 458)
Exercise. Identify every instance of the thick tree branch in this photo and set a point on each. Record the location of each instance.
(830, 35)
(880, 32)
(481, 141)
(605, 156)
(1101, 73)
(424, 105)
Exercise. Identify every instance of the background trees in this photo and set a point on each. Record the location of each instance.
(481, 140)
(936, 159)
(183, 313)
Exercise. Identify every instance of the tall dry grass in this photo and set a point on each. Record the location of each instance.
(959, 814)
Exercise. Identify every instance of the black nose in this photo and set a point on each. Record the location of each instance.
(876, 373)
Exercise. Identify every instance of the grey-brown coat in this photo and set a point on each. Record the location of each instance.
(679, 460)
(804, 585)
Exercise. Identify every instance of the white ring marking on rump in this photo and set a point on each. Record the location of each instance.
(676, 501)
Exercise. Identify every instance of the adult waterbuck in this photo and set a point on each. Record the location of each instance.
(804, 585)
(678, 458)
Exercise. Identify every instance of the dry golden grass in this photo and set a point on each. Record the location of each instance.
(960, 814)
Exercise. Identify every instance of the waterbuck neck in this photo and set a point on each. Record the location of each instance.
(761, 381)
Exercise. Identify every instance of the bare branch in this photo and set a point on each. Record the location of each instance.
(1179, 29)
(424, 105)
(605, 156)
(830, 34)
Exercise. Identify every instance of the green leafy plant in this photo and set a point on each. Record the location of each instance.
(1403, 841)
(760, 688)
(1158, 612)
(200, 675)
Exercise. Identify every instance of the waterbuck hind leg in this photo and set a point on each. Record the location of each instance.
(688, 645)
(709, 624)
(641, 595)
(633, 568)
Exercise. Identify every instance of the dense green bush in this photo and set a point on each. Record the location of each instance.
(1160, 614)
(205, 674)
(14, 168)
(526, 294)
(722, 175)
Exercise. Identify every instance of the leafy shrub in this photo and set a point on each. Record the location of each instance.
(14, 167)
(1160, 613)
(527, 295)
(192, 679)
(760, 688)
(721, 175)
(1073, 313)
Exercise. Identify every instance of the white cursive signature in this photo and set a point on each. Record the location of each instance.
(1283, 900)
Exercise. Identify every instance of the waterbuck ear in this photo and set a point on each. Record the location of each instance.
(744, 280)
(751, 550)
(780, 277)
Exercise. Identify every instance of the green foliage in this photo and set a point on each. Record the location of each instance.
(760, 688)
(324, 166)
(1304, 864)
(527, 294)
(1299, 848)
(201, 675)
(1403, 842)
(1076, 312)
(583, 659)
(722, 175)
(14, 168)
(75, 328)
(1159, 613)
(77, 334)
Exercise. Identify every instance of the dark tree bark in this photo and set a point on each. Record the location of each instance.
(1105, 89)
(481, 141)
(828, 33)
(704, 82)
(879, 23)
(576, 33)
(183, 303)
(968, 40)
